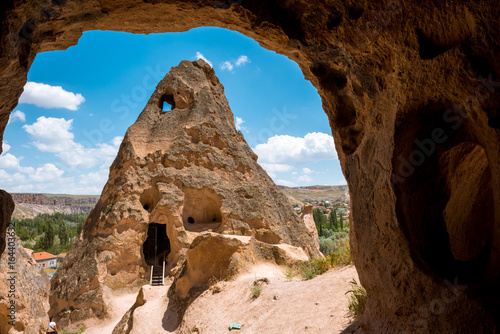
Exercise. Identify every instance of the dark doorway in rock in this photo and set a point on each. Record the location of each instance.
(157, 245)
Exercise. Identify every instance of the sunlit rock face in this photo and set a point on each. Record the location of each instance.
(179, 174)
(393, 75)
(24, 291)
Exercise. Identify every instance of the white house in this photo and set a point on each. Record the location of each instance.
(45, 259)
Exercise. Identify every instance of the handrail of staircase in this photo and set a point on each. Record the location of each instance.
(163, 276)
(151, 279)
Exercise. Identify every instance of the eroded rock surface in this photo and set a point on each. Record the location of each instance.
(307, 217)
(185, 177)
(28, 288)
(388, 72)
(6, 209)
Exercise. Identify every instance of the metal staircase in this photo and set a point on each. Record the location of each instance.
(157, 275)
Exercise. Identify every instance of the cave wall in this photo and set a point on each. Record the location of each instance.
(412, 94)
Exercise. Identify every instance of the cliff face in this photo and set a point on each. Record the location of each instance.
(185, 188)
(54, 200)
(6, 209)
(24, 292)
(411, 90)
(31, 205)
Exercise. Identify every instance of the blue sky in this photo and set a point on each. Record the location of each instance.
(78, 103)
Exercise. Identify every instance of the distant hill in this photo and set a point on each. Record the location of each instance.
(299, 195)
(31, 205)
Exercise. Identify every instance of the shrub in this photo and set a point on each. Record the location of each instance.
(256, 290)
(340, 255)
(80, 331)
(357, 299)
(256, 287)
(290, 273)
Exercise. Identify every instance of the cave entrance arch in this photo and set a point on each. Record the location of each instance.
(157, 245)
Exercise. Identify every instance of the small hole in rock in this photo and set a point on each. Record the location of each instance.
(190, 220)
(166, 102)
(146, 207)
(166, 106)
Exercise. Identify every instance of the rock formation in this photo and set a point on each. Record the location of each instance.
(54, 200)
(31, 205)
(389, 72)
(308, 219)
(184, 186)
(28, 288)
(6, 209)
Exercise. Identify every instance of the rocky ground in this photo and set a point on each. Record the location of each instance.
(315, 306)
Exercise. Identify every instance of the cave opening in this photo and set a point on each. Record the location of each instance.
(202, 210)
(156, 248)
(82, 148)
(166, 102)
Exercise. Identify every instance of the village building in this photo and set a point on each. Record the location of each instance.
(45, 259)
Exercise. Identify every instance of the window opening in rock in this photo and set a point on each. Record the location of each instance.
(166, 106)
(191, 220)
(167, 102)
(127, 85)
(157, 245)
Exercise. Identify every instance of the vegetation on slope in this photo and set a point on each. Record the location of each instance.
(53, 233)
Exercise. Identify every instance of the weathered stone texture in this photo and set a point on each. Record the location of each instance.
(387, 72)
(191, 171)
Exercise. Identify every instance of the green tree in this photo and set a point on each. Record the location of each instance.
(23, 233)
(48, 238)
(63, 233)
(341, 222)
(319, 220)
(332, 219)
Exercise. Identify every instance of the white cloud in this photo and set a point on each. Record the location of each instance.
(276, 167)
(50, 179)
(17, 115)
(84, 157)
(117, 141)
(48, 172)
(51, 134)
(305, 179)
(200, 55)
(54, 135)
(47, 96)
(226, 66)
(239, 122)
(10, 161)
(95, 178)
(286, 183)
(5, 147)
(242, 60)
(11, 180)
(286, 149)
(307, 170)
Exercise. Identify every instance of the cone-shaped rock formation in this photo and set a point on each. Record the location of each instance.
(180, 176)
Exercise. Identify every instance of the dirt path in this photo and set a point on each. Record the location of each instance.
(118, 303)
(316, 306)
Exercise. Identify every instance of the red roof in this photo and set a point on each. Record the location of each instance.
(43, 256)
